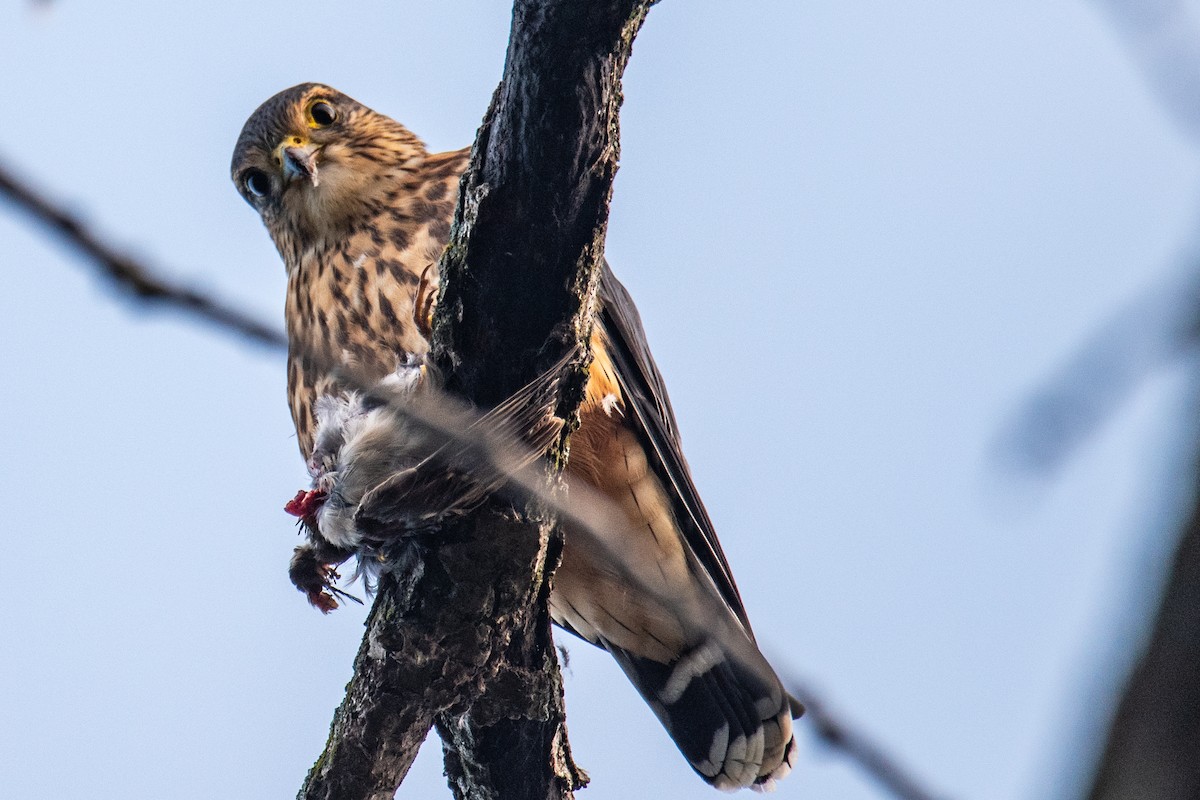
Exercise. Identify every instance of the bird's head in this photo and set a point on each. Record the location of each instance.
(314, 163)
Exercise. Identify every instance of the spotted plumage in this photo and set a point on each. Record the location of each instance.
(360, 213)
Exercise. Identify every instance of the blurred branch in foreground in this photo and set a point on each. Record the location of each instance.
(858, 747)
(1165, 40)
(1153, 746)
(127, 274)
(1149, 333)
(1163, 37)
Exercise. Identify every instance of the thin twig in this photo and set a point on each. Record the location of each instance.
(859, 748)
(129, 275)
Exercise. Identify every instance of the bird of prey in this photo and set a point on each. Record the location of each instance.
(360, 212)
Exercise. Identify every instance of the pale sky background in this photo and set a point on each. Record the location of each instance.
(860, 235)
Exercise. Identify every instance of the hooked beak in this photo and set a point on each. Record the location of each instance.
(299, 161)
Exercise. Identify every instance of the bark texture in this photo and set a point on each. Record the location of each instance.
(459, 635)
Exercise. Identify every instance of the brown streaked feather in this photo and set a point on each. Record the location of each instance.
(645, 392)
(361, 306)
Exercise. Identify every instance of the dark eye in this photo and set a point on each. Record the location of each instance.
(322, 114)
(256, 182)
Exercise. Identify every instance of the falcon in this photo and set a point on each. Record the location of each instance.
(360, 212)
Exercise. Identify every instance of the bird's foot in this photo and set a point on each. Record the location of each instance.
(316, 579)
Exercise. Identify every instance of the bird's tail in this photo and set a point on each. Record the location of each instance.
(686, 652)
(732, 720)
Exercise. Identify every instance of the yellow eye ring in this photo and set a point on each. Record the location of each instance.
(321, 114)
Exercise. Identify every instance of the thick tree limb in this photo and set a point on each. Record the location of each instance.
(461, 633)
(129, 275)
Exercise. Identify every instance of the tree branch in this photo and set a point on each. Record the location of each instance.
(859, 748)
(128, 275)
(1164, 322)
(460, 631)
(1153, 745)
(1165, 38)
(1152, 750)
(1155, 329)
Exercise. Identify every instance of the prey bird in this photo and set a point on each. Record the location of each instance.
(360, 212)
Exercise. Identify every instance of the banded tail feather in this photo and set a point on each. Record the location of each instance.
(731, 721)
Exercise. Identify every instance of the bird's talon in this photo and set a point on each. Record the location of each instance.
(323, 601)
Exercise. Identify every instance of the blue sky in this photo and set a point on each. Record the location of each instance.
(859, 233)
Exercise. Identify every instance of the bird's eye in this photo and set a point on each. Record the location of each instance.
(321, 114)
(256, 182)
